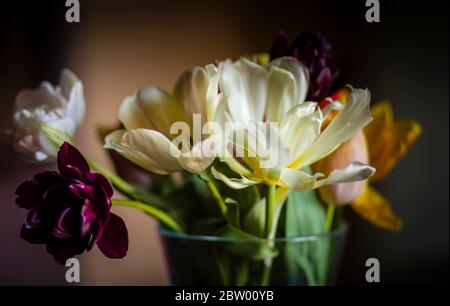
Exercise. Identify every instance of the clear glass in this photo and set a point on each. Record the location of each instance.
(195, 260)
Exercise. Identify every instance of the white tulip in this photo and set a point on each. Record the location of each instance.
(61, 109)
(296, 138)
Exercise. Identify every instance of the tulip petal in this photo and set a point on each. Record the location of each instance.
(373, 207)
(64, 124)
(66, 225)
(245, 85)
(201, 155)
(160, 108)
(63, 249)
(300, 128)
(97, 179)
(83, 191)
(45, 94)
(147, 148)
(32, 229)
(67, 82)
(103, 211)
(236, 166)
(191, 90)
(76, 106)
(355, 171)
(154, 145)
(132, 116)
(114, 240)
(213, 97)
(389, 140)
(72, 90)
(354, 116)
(281, 94)
(88, 218)
(30, 193)
(68, 155)
(300, 74)
(235, 183)
(45, 145)
(299, 180)
(114, 141)
(379, 131)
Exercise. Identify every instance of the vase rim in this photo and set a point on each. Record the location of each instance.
(313, 237)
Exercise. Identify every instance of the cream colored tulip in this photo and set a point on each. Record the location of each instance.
(148, 118)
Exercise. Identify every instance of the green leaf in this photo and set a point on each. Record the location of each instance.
(56, 136)
(306, 215)
(255, 220)
(250, 246)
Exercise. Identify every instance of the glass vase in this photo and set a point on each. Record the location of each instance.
(196, 260)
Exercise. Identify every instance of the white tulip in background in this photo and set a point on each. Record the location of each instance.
(60, 109)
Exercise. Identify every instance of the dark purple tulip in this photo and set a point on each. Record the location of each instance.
(314, 52)
(69, 211)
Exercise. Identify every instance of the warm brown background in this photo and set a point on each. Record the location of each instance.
(121, 46)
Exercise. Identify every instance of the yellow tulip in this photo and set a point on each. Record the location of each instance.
(389, 140)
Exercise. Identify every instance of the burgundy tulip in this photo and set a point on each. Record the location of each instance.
(70, 210)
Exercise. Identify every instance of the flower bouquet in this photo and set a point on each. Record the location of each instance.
(246, 164)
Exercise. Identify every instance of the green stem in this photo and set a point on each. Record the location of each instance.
(327, 254)
(271, 221)
(330, 217)
(267, 269)
(216, 194)
(125, 188)
(280, 198)
(243, 273)
(220, 266)
(162, 216)
(271, 206)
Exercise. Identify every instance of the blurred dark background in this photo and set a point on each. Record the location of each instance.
(120, 46)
